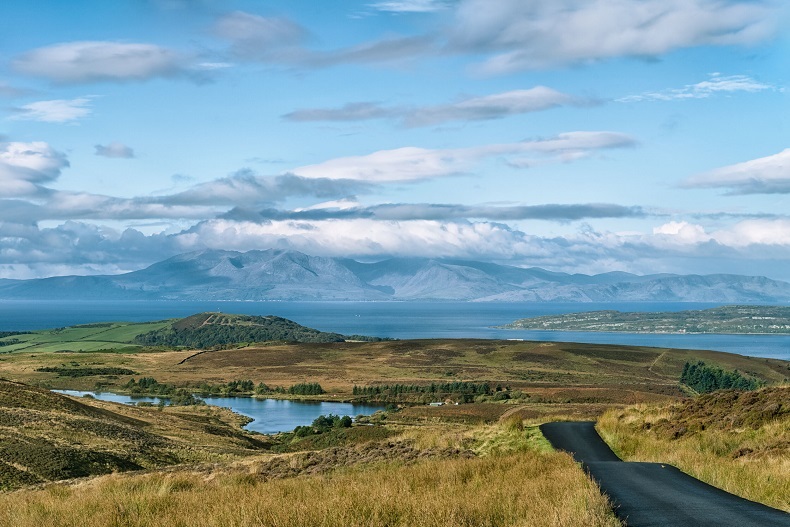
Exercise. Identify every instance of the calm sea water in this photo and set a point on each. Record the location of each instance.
(404, 320)
(270, 415)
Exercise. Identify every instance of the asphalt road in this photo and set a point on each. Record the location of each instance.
(655, 494)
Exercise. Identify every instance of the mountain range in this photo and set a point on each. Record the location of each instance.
(291, 275)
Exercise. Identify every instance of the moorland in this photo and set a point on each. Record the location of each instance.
(415, 464)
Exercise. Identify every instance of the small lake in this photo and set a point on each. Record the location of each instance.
(270, 415)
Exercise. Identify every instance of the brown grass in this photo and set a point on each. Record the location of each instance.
(737, 441)
(46, 436)
(558, 373)
(426, 475)
(523, 489)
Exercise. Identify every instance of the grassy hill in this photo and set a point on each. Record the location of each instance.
(203, 330)
(206, 330)
(45, 436)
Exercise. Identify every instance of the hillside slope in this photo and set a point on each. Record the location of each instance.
(205, 330)
(737, 441)
(45, 436)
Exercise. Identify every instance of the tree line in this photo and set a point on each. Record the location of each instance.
(455, 387)
(705, 379)
(175, 396)
(150, 386)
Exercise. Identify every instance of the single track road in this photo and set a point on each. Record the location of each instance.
(656, 494)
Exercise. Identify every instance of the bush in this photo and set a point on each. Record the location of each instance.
(324, 423)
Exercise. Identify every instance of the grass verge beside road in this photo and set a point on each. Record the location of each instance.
(737, 441)
(514, 485)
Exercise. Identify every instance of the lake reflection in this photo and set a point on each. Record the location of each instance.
(270, 415)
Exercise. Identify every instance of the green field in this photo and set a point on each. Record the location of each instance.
(110, 336)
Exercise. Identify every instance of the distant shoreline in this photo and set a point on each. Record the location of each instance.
(518, 328)
(724, 320)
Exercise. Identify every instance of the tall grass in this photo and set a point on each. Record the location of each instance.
(521, 489)
(752, 463)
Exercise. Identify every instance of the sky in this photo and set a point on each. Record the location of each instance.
(582, 136)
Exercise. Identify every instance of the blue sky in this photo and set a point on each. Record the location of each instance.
(575, 135)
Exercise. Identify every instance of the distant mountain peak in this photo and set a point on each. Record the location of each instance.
(277, 274)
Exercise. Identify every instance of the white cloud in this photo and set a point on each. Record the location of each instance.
(494, 106)
(257, 37)
(213, 66)
(337, 204)
(96, 61)
(410, 6)
(400, 164)
(395, 49)
(350, 209)
(355, 111)
(25, 167)
(414, 163)
(717, 84)
(279, 40)
(57, 111)
(682, 231)
(545, 33)
(77, 248)
(756, 233)
(742, 235)
(247, 189)
(361, 237)
(765, 175)
(115, 149)
(750, 247)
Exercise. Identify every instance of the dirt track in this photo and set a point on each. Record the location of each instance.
(655, 494)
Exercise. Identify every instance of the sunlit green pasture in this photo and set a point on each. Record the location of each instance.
(110, 336)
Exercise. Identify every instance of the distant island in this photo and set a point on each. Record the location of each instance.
(735, 320)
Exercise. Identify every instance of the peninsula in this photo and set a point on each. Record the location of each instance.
(728, 320)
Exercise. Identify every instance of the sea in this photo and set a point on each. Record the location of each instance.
(401, 320)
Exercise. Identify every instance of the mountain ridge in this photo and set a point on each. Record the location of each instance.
(291, 275)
